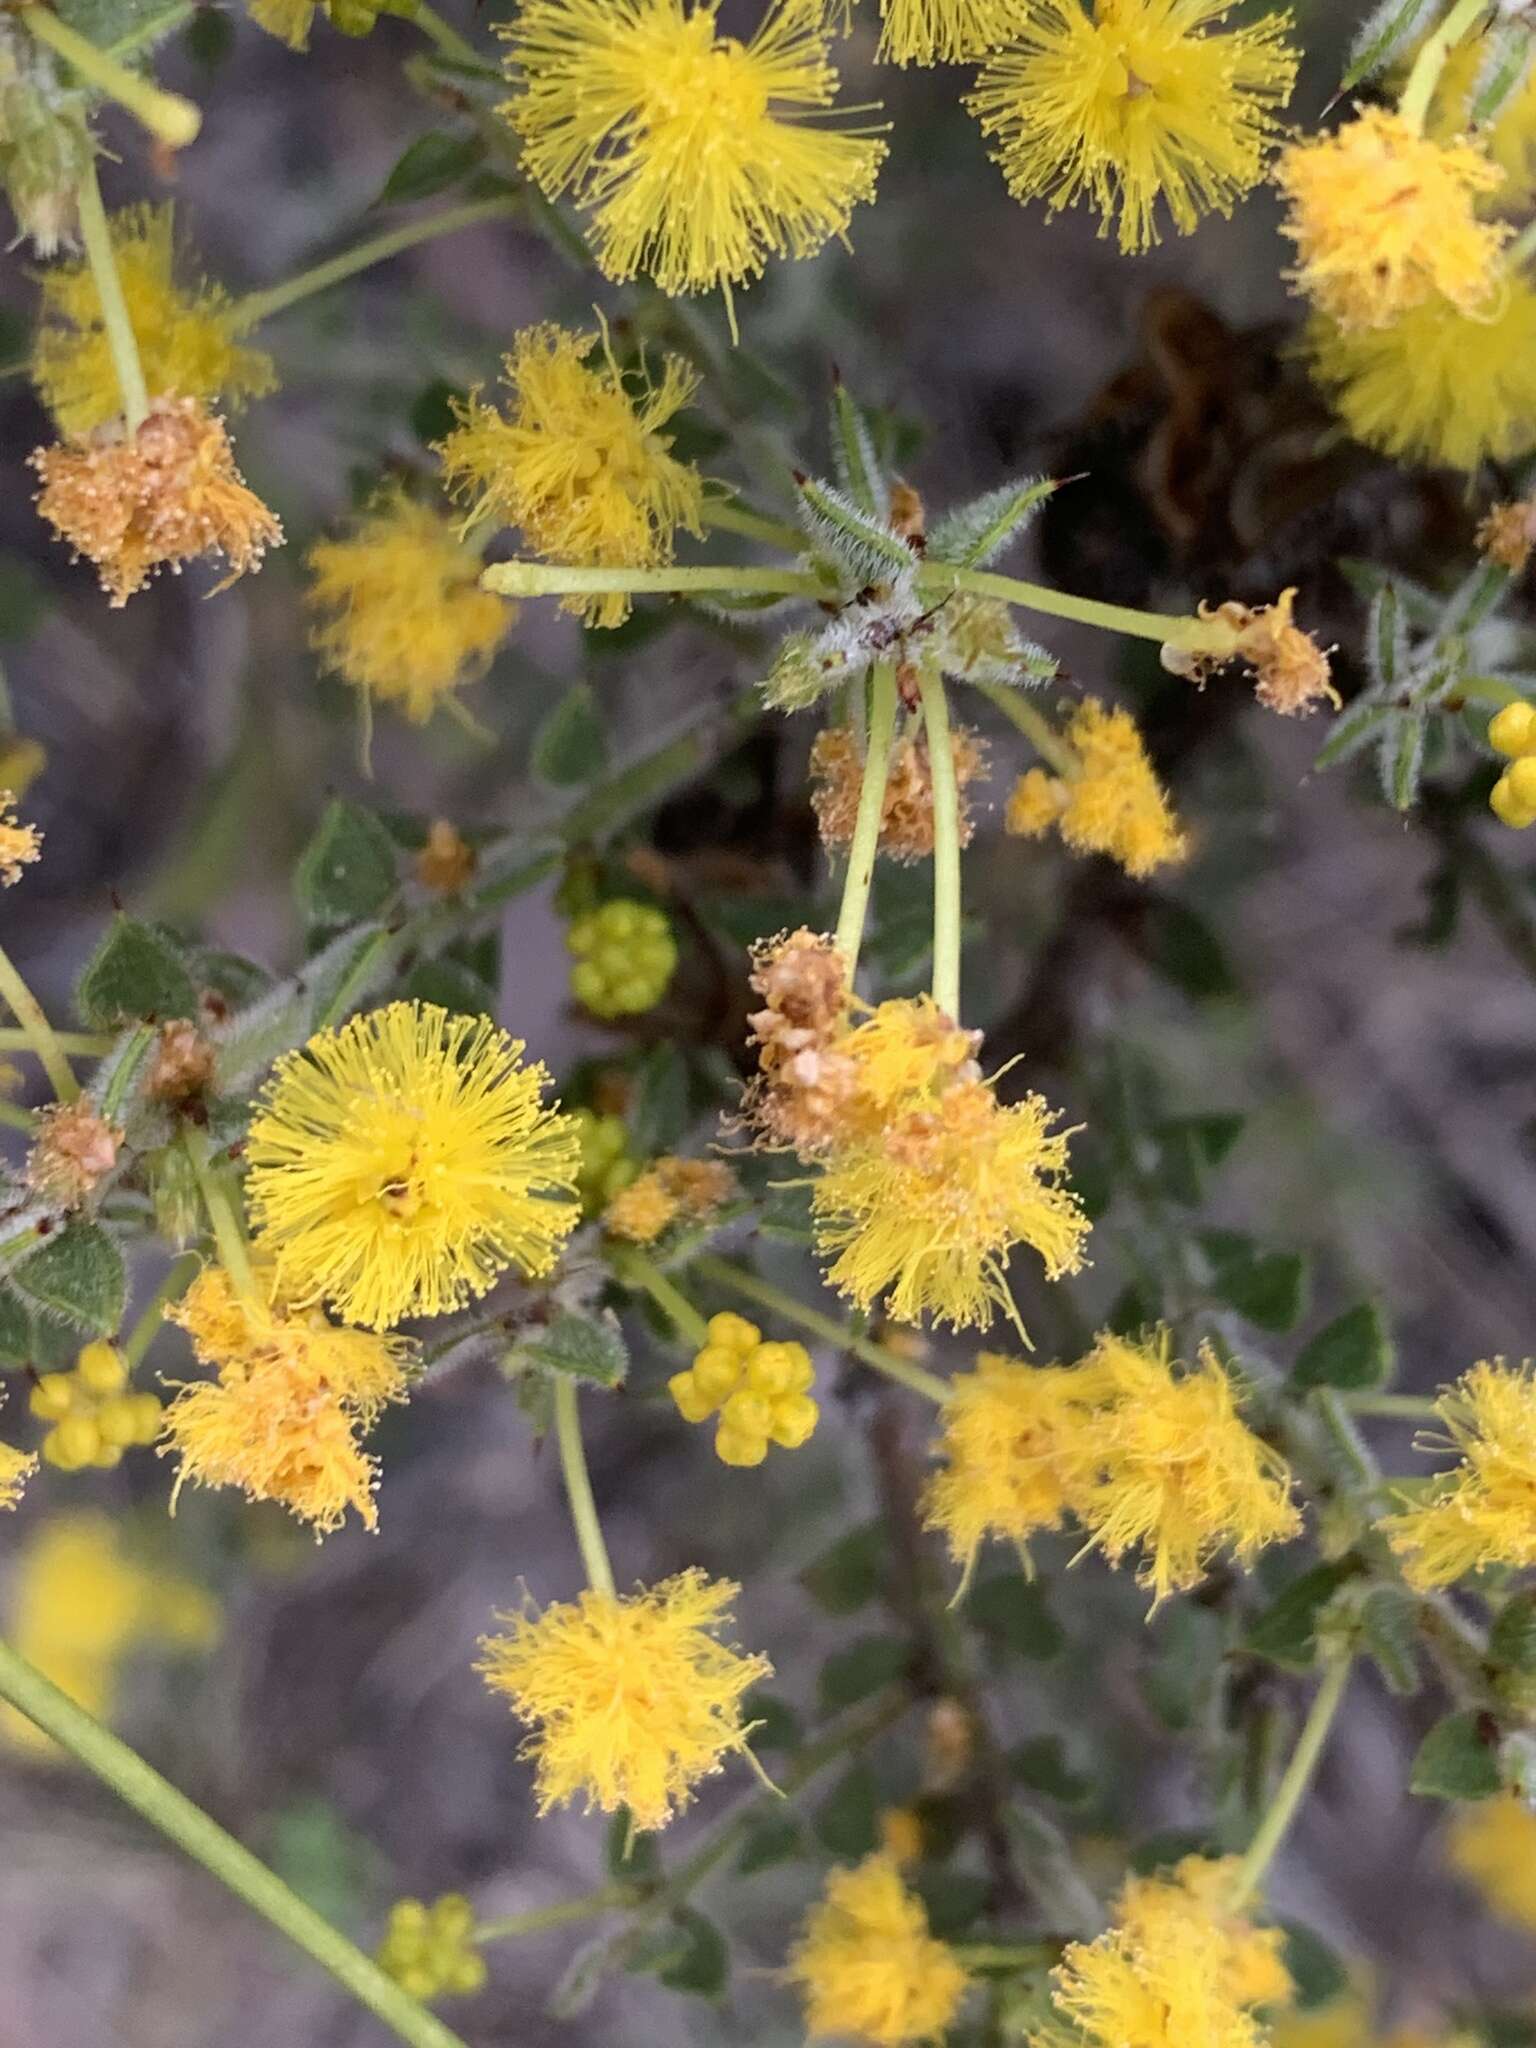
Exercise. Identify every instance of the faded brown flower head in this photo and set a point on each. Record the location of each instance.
(447, 860)
(669, 1189)
(162, 498)
(804, 1087)
(1507, 534)
(73, 1152)
(906, 817)
(1293, 672)
(907, 515)
(20, 844)
(183, 1064)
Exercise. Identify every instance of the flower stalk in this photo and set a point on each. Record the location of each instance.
(578, 1487)
(41, 1038)
(179, 1276)
(946, 845)
(1294, 1784)
(1424, 75)
(1035, 726)
(639, 1271)
(97, 238)
(865, 844)
(228, 1230)
(168, 117)
(613, 1898)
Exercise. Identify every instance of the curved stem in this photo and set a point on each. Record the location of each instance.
(185, 1824)
(228, 1231)
(167, 116)
(864, 847)
(179, 1276)
(42, 1040)
(277, 298)
(611, 1899)
(1292, 1789)
(1035, 726)
(946, 845)
(121, 344)
(446, 37)
(1204, 636)
(727, 515)
(1430, 62)
(739, 1281)
(560, 579)
(645, 1274)
(92, 1045)
(578, 1487)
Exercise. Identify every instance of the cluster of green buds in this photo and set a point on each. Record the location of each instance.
(1512, 733)
(607, 1165)
(625, 957)
(761, 1391)
(45, 144)
(430, 1951)
(95, 1416)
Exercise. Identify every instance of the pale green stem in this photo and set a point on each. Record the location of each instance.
(277, 298)
(91, 1045)
(946, 844)
(643, 1273)
(1293, 1786)
(864, 847)
(1194, 635)
(179, 1276)
(42, 1040)
(445, 36)
(725, 515)
(1403, 1407)
(739, 1281)
(124, 349)
(15, 1118)
(1035, 726)
(611, 1899)
(166, 115)
(228, 1231)
(185, 1824)
(1430, 62)
(558, 579)
(578, 1487)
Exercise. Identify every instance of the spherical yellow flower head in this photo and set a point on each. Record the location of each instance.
(398, 1165)
(1114, 804)
(398, 607)
(906, 813)
(762, 1392)
(867, 1966)
(1437, 385)
(578, 460)
(162, 498)
(1013, 1441)
(20, 844)
(943, 31)
(1176, 1967)
(185, 335)
(93, 1413)
(1512, 732)
(284, 1419)
(632, 1700)
(1179, 1476)
(1493, 1843)
(1384, 219)
(1132, 102)
(697, 156)
(1480, 1512)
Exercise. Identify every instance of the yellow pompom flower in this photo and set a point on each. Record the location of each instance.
(1512, 732)
(400, 1163)
(20, 844)
(1493, 1842)
(1177, 1967)
(1179, 1476)
(283, 1419)
(578, 460)
(1484, 1511)
(1437, 385)
(398, 607)
(943, 31)
(1112, 804)
(631, 1699)
(696, 155)
(1013, 1438)
(1385, 218)
(867, 1966)
(186, 335)
(16, 1468)
(761, 1391)
(1126, 102)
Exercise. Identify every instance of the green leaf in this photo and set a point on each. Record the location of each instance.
(1354, 1352)
(1354, 727)
(431, 164)
(955, 1900)
(1506, 64)
(1400, 759)
(1384, 33)
(1389, 1629)
(1181, 946)
(582, 1346)
(848, 1821)
(975, 534)
(851, 1572)
(1041, 1764)
(853, 452)
(702, 1967)
(1191, 1146)
(658, 1112)
(1316, 1972)
(1386, 639)
(1165, 1848)
(774, 1724)
(451, 985)
(1286, 1632)
(860, 542)
(785, 1216)
(629, 1857)
(1186, 1657)
(135, 973)
(432, 413)
(347, 871)
(1512, 1638)
(76, 1275)
(24, 604)
(861, 1670)
(18, 1341)
(1267, 1289)
(1014, 1610)
(770, 1841)
(210, 38)
(570, 746)
(1458, 1759)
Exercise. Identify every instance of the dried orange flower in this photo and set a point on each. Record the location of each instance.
(447, 860)
(73, 1152)
(672, 1187)
(183, 1063)
(1293, 671)
(906, 817)
(803, 1090)
(1507, 534)
(163, 497)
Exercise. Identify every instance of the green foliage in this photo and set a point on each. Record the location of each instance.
(577, 1345)
(77, 1276)
(1458, 1759)
(347, 871)
(137, 971)
(570, 745)
(1354, 1352)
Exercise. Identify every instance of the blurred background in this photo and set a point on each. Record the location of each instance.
(1305, 971)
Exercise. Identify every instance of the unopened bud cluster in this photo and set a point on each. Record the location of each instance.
(95, 1416)
(606, 1165)
(1512, 732)
(761, 1391)
(430, 1951)
(625, 957)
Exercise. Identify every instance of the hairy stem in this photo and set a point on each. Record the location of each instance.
(1016, 707)
(179, 1276)
(228, 1230)
(578, 1487)
(1294, 1784)
(445, 36)
(726, 515)
(946, 845)
(865, 844)
(613, 1898)
(1196, 636)
(91, 1045)
(185, 1824)
(559, 579)
(1430, 61)
(42, 1040)
(167, 116)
